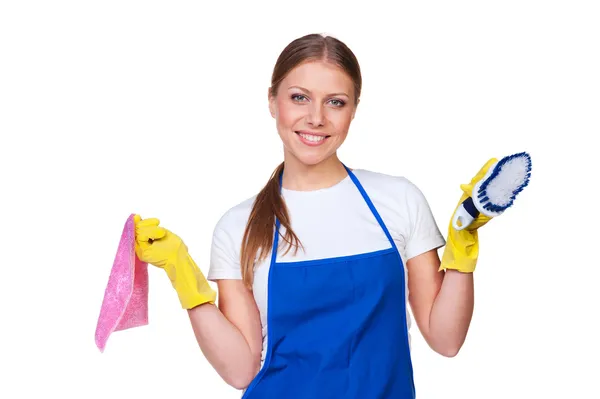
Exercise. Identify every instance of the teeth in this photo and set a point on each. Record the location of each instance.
(312, 138)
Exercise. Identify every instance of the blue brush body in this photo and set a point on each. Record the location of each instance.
(497, 191)
(482, 194)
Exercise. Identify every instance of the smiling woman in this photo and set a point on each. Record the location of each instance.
(315, 89)
(316, 271)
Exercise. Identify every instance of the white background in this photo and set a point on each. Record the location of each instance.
(160, 108)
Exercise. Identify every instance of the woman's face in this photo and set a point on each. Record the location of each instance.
(313, 109)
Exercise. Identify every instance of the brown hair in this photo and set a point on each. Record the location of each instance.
(258, 236)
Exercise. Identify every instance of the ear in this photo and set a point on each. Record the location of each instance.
(271, 103)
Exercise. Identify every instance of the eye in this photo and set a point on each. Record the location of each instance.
(338, 103)
(298, 97)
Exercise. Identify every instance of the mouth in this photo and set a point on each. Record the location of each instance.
(312, 139)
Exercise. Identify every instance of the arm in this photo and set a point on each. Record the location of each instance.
(442, 302)
(230, 335)
(441, 292)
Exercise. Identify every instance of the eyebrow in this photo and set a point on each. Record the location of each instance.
(308, 91)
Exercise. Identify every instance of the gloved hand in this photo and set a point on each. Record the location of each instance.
(160, 247)
(462, 247)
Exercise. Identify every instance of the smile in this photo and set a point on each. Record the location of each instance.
(312, 139)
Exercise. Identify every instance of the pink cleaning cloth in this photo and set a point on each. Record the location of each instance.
(125, 303)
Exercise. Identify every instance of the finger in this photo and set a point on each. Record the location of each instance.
(140, 248)
(148, 222)
(467, 189)
(484, 169)
(150, 233)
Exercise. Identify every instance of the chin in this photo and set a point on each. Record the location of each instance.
(311, 159)
(312, 152)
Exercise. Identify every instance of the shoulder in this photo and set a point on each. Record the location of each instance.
(405, 209)
(398, 198)
(236, 216)
(227, 240)
(386, 185)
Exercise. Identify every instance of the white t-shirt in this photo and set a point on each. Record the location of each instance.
(338, 212)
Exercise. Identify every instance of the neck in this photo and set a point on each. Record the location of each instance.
(301, 177)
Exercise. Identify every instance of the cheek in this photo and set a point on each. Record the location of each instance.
(288, 114)
(341, 119)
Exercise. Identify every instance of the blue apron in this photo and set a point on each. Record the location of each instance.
(337, 327)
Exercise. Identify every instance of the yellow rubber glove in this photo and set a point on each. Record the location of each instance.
(160, 247)
(462, 247)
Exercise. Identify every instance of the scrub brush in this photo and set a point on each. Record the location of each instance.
(497, 191)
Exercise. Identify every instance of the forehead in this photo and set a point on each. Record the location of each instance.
(319, 77)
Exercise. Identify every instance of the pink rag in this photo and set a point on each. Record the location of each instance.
(125, 303)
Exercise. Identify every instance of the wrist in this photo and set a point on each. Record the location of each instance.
(193, 296)
(189, 282)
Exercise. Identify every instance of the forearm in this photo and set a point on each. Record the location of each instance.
(451, 313)
(224, 346)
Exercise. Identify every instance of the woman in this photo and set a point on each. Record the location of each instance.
(319, 309)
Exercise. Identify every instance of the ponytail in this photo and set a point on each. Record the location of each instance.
(258, 236)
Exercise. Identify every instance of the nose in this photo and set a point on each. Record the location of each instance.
(316, 116)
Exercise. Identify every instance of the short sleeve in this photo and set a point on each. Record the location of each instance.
(224, 258)
(424, 234)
